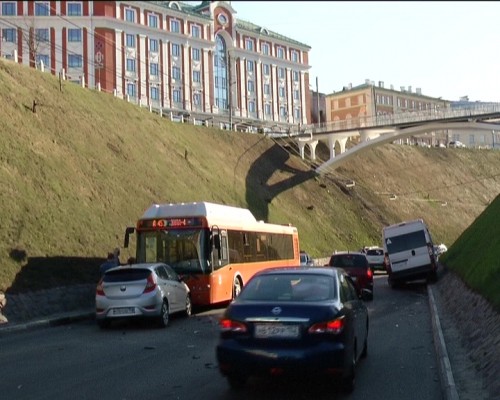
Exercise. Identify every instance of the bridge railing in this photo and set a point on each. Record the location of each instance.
(380, 121)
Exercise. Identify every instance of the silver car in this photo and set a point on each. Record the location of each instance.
(141, 290)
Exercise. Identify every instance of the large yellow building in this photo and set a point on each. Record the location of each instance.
(191, 60)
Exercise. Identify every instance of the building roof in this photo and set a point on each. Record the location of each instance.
(259, 30)
(366, 86)
(199, 10)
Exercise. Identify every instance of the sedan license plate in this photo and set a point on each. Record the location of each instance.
(123, 311)
(264, 331)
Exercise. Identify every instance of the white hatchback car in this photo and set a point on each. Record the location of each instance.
(141, 290)
(375, 257)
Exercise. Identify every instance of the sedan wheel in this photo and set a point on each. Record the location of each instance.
(349, 381)
(164, 315)
(236, 381)
(103, 323)
(189, 306)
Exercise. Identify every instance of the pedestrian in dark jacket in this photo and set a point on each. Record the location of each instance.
(108, 264)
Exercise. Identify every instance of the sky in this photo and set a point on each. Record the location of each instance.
(447, 49)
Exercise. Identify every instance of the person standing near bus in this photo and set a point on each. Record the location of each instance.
(116, 255)
(108, 264)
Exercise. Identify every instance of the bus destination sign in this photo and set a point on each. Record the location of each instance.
(162, 223)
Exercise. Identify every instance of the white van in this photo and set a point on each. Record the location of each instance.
(410, 252)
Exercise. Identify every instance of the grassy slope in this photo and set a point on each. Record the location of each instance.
(86, 165)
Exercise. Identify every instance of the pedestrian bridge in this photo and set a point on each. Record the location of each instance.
(374, 131)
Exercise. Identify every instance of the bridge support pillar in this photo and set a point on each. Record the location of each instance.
(331, 146)
(342, 143)
(312, 147)
(302, 145)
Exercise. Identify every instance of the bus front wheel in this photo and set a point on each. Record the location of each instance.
(236, 287)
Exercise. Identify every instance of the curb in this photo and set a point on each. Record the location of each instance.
(445, 373)
(61, 319)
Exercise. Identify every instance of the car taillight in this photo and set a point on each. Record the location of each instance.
(99, 289)
(334, 326)
(228, 325)
(369, 272)
(150, 284)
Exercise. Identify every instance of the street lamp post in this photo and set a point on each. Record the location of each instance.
(317, 100)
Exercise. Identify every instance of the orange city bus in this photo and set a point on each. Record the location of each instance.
(215, 248)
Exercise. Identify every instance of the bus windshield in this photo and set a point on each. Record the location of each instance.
(185, 250)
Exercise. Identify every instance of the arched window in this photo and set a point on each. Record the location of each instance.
(221, 81)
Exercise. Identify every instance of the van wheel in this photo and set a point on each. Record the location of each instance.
(392, 283)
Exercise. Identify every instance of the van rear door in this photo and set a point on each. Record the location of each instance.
(408, 250)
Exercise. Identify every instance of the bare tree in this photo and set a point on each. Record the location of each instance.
(32, 40)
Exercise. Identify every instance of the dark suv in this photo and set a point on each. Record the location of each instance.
(357, 267)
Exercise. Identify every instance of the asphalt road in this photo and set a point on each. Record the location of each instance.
(137, 361)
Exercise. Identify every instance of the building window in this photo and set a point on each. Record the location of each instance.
(176, 94)
(196, 54)
(196, 99)
(267, 88)
(249, 66)
(155, 93)
(220, 73)
(175, 26)
(281, 73)
(42, 35)
(153, 45)
(267, 109)
(296, 76)
(176, 50)
(75, 60)
(130, 65)
(281, 92)
(131, 89)
(153, 21)
(43, 58)
(195, 31)
(9, 8)
(295, 56)
(74, 35)
(130, 40)
(283, 111)
(176, 73)
(42, 8)
(251, 106)
(249, 44)
(280, 52)
(9, 35)
(296, 95)
(265, 48)
(130, 15)
(74, 9)
(296, 113)
(251, 86)
(196, 76)
(266, 69)
(153, 69)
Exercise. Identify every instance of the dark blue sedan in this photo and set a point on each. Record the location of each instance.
(294, 321)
